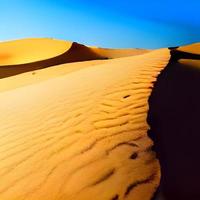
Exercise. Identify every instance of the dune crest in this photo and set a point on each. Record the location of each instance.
(76, 52)
(26, 55)
(31, 50)
(192, 48)
(118, 53)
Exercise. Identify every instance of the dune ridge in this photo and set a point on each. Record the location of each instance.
(82, 135)
(118, 53)
(75, 53)
(30, 50)
(191, 48)
(26, 55)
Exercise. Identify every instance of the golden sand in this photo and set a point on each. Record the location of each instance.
(79, 135)
(44, 74)
(31, 50)
(192, 48)
(118, 53)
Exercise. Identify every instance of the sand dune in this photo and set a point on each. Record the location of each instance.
(26, 55)
(78, 131)
(82, 135)
(192, 48)
(39, 75)
(32, 54)
(118, 53)
(31, 50)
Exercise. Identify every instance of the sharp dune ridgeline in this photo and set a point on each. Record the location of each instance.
(79, 131)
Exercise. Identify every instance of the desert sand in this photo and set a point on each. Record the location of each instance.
(118, 53)
(39, 75)
(191, 48)
(26, 55)
(31, 50)
(78, 131)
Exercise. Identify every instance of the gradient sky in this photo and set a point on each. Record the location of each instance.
(105, 23)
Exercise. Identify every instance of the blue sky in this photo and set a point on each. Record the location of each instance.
(106, 23)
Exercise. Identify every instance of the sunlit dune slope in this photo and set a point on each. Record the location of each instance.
(26, 55)
(192, 48)
(31, 50)
(82, 135)
(118, 53)
(31, 54)
(39, 75)
(190, 55)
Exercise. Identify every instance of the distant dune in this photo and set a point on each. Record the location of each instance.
(32, 54)
(192, 48)
(79, 131)
(31, 50)
(46, 53)
(118, 53)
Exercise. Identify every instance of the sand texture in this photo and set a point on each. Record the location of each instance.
(80, 133)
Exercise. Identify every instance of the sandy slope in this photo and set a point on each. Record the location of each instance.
(82, 135)
(39, 75)
(75, 53)
(192, 48)
(31, 50)
(26, 55)
(118, 53)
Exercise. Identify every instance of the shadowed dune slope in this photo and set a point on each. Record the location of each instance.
(118, 53)
(174, 119)
(82, 135)
(75, 53)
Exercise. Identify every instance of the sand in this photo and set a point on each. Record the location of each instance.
(194, 61)
(118, 53)
(80, 133)
(29, 59)
(32, 54)
(39, 75)
(31, 50)
(21, 59)
(192, 48)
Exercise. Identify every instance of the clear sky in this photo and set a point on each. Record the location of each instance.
(105, 23)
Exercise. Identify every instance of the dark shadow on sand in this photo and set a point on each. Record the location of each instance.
(174, 118)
